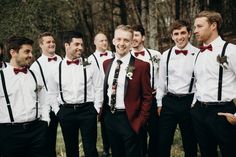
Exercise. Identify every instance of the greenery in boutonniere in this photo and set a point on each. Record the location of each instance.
(85, 62)
(129, 72)
(155, 59)
(222, 61)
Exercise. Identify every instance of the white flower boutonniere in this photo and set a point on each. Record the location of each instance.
(155, 59)
(222, 61)
(129, 72)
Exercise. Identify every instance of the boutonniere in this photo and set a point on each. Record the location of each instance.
(38, 89)
(129, 72)
(223, 61)
(155, 59)
(85, 62)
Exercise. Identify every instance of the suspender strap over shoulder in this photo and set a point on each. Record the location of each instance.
(37, 97)
(60, 86)
(96, 61)
(167, 67)
(41, 71)
(221, 74)
(85, 82)
(6, 96)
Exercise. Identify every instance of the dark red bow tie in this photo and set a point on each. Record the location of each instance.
(72, 62)
(23, 70)
(52, 59)
(139, 53)
(203, 48)
(185, 52)
(103, 54)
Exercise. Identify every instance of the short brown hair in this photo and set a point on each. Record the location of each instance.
(179, 24)
(139, 28)
(212, 17)
(44, 34)
(127, 28)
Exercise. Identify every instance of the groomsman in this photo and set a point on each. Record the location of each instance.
(152, 57)
(44, 66)
(77, 89)
(215, 74)
(24, 104)
(98, 57)
(175, 94)
(127, 96)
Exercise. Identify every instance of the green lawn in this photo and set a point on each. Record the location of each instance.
(176, 151)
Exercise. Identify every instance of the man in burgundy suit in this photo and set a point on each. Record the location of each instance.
(127, 96)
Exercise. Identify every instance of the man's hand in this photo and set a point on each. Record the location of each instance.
(229, 116)
(159, 111)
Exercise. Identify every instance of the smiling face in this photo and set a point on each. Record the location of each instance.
(138, 40)
(48, 45)
(22, 57)
(123, 42)
(181, 37)
(74, 49)
(101, 43)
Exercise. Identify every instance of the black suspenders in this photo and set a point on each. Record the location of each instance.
(7, 98)
(221, 74)
(167, 75)
(85, 83)
(152, 68)
(96, 61)
(41, 71)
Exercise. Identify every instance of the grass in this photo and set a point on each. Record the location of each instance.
(176, 151)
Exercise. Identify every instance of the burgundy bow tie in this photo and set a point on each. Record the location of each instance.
(103, 54)
(139, 53)
(72, 62)
(185, 52)
(203, 48)
(23, 70)
(52, 59)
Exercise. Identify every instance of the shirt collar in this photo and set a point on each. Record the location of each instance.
(125, 59)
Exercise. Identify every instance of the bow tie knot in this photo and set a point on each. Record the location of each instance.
(139, 53)
(52, 59)
(23, 70)
(185, 52)
(203, 48)
(103, 54)
(72, 62)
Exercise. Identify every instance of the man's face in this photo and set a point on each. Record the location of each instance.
(48, 45)
(138, 39)
(23, 57)
(101, 42)
(75, 48)
(180, 37)
(123, 42)
(203, 29)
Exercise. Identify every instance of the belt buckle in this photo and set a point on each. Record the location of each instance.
(113, 111)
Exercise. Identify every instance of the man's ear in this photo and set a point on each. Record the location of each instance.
(12, 52)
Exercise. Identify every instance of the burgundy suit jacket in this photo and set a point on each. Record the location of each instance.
(138, 92)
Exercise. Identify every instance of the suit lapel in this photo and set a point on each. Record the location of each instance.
(105, 81)
(131, 63)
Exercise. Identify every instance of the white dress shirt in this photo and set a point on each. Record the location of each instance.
(180, 69)
(99, 58)
(21, 91)
(72, 79)
(146, 58)
(120, 104)
(47, 66)
(206, 72)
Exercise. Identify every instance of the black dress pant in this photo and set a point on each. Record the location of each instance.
(52, 136)
(27, 140)
(151, 129)
(124, 141)
(72, 120)
(176, 110)
(105, 140)
(212, 130)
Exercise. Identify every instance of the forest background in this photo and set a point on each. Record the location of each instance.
(31, 17)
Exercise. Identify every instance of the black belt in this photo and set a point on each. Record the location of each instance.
(77, 106)
(24, 125)
(179, 95)
(208, 104)
(116, 110)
